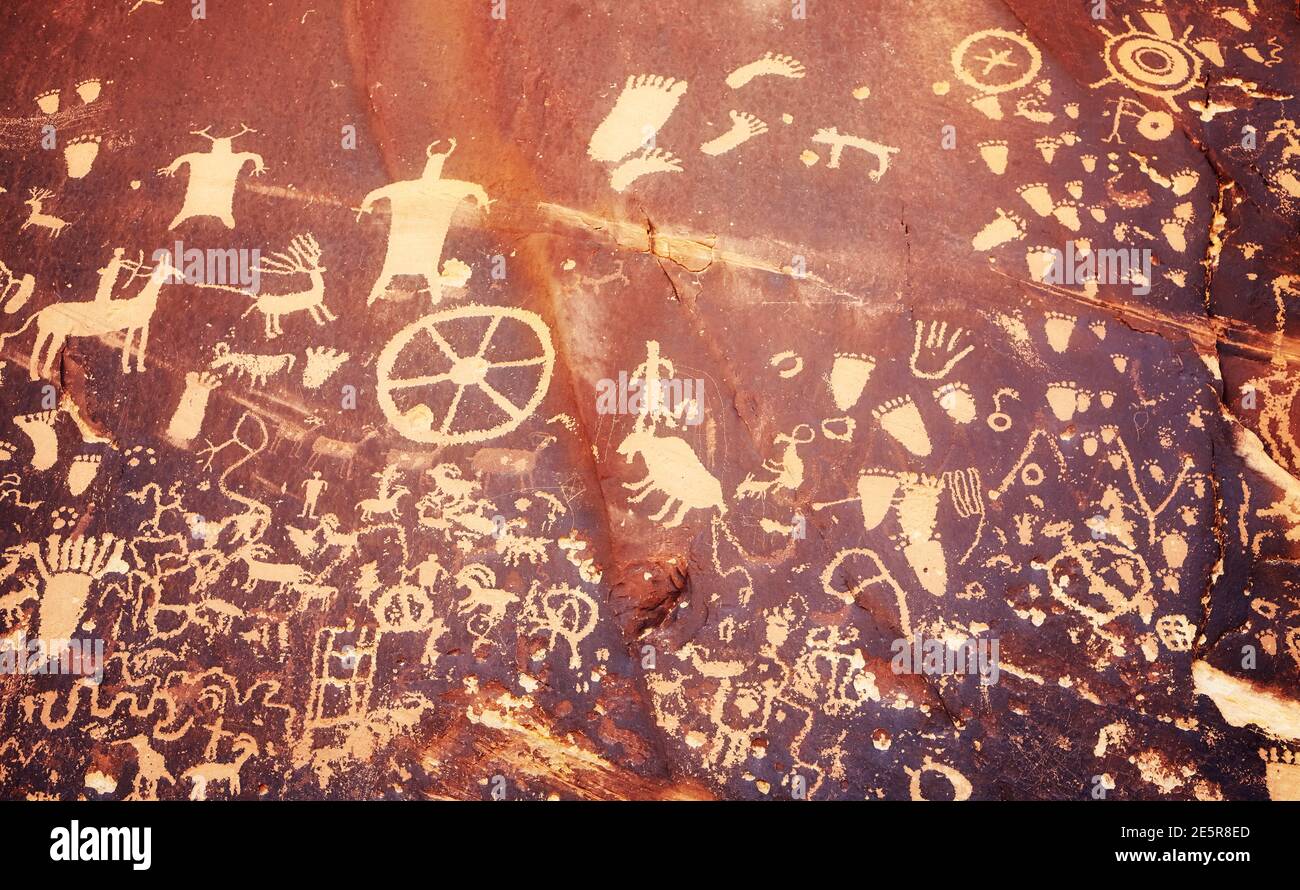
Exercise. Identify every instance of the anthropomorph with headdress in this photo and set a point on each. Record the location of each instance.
(213, 175)
(421, 211)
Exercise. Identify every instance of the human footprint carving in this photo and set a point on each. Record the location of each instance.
(934, 350)
(900, 418)
(918, 510)
(994, 154)
(653, 160)
(1006, 227)
(1058, 328)
(771, 64)
(876, 490)
(956, 401)
(744, 126)
(48, 102)
(644, 106)
(1067, 214)
(79, 155)
(89, 89)
(915, 500)
(39, 427)
(82, 472)
(1036, 195)
(849, 376)
(1066, 398)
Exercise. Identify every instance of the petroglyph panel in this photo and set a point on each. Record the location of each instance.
(649, 400)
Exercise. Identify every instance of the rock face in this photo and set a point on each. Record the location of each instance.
(649, 400)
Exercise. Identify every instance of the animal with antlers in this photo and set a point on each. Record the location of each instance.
(38, 217)
(58, 322)
(213, 175)
(303, 257)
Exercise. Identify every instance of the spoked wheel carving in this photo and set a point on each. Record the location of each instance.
(498, 380)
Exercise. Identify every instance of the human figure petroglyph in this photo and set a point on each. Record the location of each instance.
(313, 488)
(59, 321)
(109, 274)
(788, 470)
(421, 211)
(385, 503)
(213, 176)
